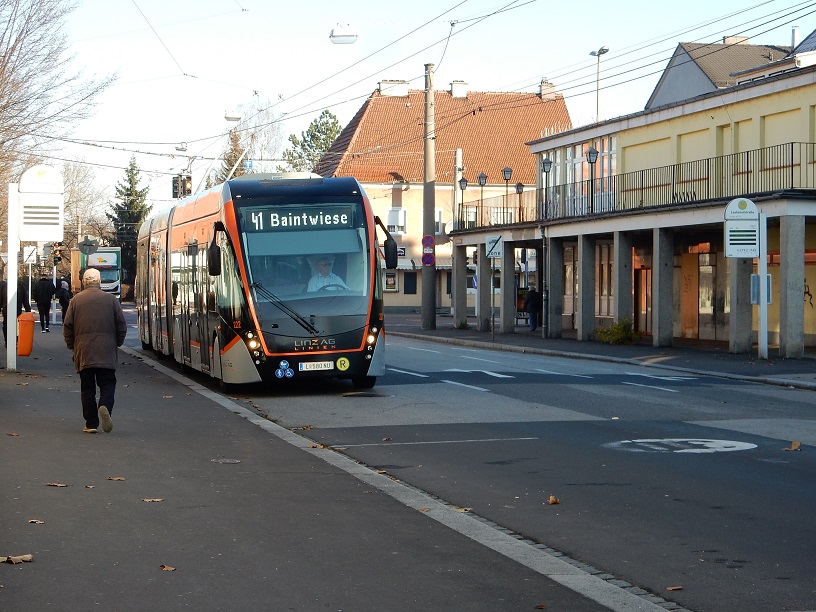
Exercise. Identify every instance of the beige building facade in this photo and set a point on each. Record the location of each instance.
(631, 222)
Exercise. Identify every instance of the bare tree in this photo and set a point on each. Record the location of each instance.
(41, 95)
(261, 134)
(84, 205)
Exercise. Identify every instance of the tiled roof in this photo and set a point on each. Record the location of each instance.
(719, 61)
(384, 142)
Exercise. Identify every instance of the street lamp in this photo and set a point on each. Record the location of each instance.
(519, 190)
(546, 165)
(507, 172)
(592, 157)
(482, 180)
(598, 54)
(462, 185)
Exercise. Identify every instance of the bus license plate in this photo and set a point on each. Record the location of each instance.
(316, 365)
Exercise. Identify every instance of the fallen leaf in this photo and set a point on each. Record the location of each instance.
(541, 607)
(674, 588)
(167, 568)
(794, 446)
(341, 448)
(457, 509)
(89, 486)
(424, 509)
(167, 396)
(152, 499)
(17, 559)
(116, 477)
(317, 446)
(36, 522)
(12, 434)
(56, 484)
(386, 439)
(302, 428)
(381, 472)
(553, 500)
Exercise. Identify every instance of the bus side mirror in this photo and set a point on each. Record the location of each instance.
(214, 258)
(390, 246)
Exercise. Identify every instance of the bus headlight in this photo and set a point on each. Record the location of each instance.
(371, 339)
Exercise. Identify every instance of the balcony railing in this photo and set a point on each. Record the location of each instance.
(781, 167)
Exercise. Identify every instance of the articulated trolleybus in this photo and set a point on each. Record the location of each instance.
(266, 277)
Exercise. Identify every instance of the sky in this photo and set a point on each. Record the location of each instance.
(181, 65)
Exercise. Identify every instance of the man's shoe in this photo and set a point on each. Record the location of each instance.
(42, 332)
(48, 329)
(105, 419)
(89, 430)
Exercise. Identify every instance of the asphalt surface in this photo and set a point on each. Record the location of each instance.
(195, 501)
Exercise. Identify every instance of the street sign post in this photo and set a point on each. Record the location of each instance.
(746, 235)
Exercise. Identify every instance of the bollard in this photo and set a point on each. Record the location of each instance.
(25, 333)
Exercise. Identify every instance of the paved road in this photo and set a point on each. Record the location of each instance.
(244, 511)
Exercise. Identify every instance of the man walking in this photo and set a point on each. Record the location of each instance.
(94, 328)
(43, 293)
(532, 305)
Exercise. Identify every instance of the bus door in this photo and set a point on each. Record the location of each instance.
(187, 303)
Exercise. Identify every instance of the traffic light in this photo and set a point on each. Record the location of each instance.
(58, 251)
(182, 185)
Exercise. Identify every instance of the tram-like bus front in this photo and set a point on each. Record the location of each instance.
(311, 264)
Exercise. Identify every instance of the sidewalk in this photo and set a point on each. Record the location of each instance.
(709, 358)
(194, 501)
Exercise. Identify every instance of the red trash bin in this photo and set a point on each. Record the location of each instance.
(25, 333)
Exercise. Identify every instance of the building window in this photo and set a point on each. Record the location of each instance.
(410, 281)
(396, 221)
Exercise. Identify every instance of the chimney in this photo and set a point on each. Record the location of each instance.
(546, 90)
(794, 37)
(458, 89)
(394, 88)
(735, 40)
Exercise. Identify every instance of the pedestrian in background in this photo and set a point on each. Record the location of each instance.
(95, 328)
(532, 304)
(64, 296)
(43, 293)
(22, 302)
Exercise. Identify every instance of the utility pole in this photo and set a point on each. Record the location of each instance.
(428, 209)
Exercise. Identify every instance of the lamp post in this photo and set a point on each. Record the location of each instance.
(546, 166)
(482, 180)
(598, 54)
(519, 191)
(592, 157)
(507, 172)
(463, 182)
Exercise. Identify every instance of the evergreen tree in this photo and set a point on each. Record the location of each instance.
(307, 150)
(127, 215)
(234, 153)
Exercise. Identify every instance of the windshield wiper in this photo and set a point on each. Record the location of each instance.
(294, 315)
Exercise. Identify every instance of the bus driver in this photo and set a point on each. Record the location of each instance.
(324, 279)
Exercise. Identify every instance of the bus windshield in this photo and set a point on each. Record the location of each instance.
(308, 262)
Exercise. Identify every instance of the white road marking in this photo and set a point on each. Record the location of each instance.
(493, 374)
(453, 382)
(434, 442)
(661, 377)
(563, 373)
(479, 359)
(651, 387)
(413, 348)
(409, 373)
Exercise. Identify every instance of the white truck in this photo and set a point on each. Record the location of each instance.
(108, 260)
